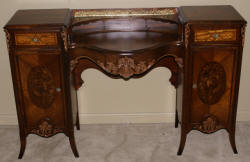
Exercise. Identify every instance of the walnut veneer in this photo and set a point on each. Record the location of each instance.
(49, 49)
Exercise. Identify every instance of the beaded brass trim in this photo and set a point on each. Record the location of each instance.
(124, 12)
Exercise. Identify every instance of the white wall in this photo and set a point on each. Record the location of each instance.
(104, 100)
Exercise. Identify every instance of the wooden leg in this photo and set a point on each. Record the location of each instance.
(232, 141)
(73, 146)
(77, 121)
(176, 119)
(22, 148)
(182, 142)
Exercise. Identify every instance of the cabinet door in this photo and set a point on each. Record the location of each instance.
(212, 87)
(42, 92)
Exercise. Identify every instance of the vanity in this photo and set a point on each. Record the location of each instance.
(50, 48)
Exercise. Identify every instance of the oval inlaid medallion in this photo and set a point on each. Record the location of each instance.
(211, 83)
(41, 87)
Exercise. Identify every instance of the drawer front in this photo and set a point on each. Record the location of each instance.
(212, 87)
(36, 39)
(219, 35)
(42, 93)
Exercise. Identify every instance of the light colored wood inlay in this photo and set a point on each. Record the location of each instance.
(215, 35)
(36, 39)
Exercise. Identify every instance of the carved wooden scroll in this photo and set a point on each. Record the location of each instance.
(46, 129)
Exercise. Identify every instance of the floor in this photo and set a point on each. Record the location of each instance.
(128, 143)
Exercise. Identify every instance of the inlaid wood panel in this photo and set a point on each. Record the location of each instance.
(36, 39)
(213, 81)
(215, 35)
(41, 89)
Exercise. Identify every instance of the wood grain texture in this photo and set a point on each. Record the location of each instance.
(215, 35)
(211, 82)
(213, 75)
(38, 102)
(39, 18)
(41, 86)
(37, 39)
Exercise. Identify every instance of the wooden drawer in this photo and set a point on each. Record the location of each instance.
(36, 39)
(215, 35)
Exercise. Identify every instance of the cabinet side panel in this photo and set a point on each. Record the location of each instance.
(213, 80)
(41, 89)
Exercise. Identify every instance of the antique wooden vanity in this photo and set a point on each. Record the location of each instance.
(49, 49)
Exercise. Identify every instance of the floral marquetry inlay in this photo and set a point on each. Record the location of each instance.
(126, 67)
(41, 87)
(211, 83)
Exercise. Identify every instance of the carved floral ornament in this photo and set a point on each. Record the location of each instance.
(126, 66)
(46, 129)
(209, 124)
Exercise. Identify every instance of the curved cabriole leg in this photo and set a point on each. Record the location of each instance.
(77, 121)
(176, 119)
(182, 142)
(232, 141)
(22, 147)
(73, 146)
